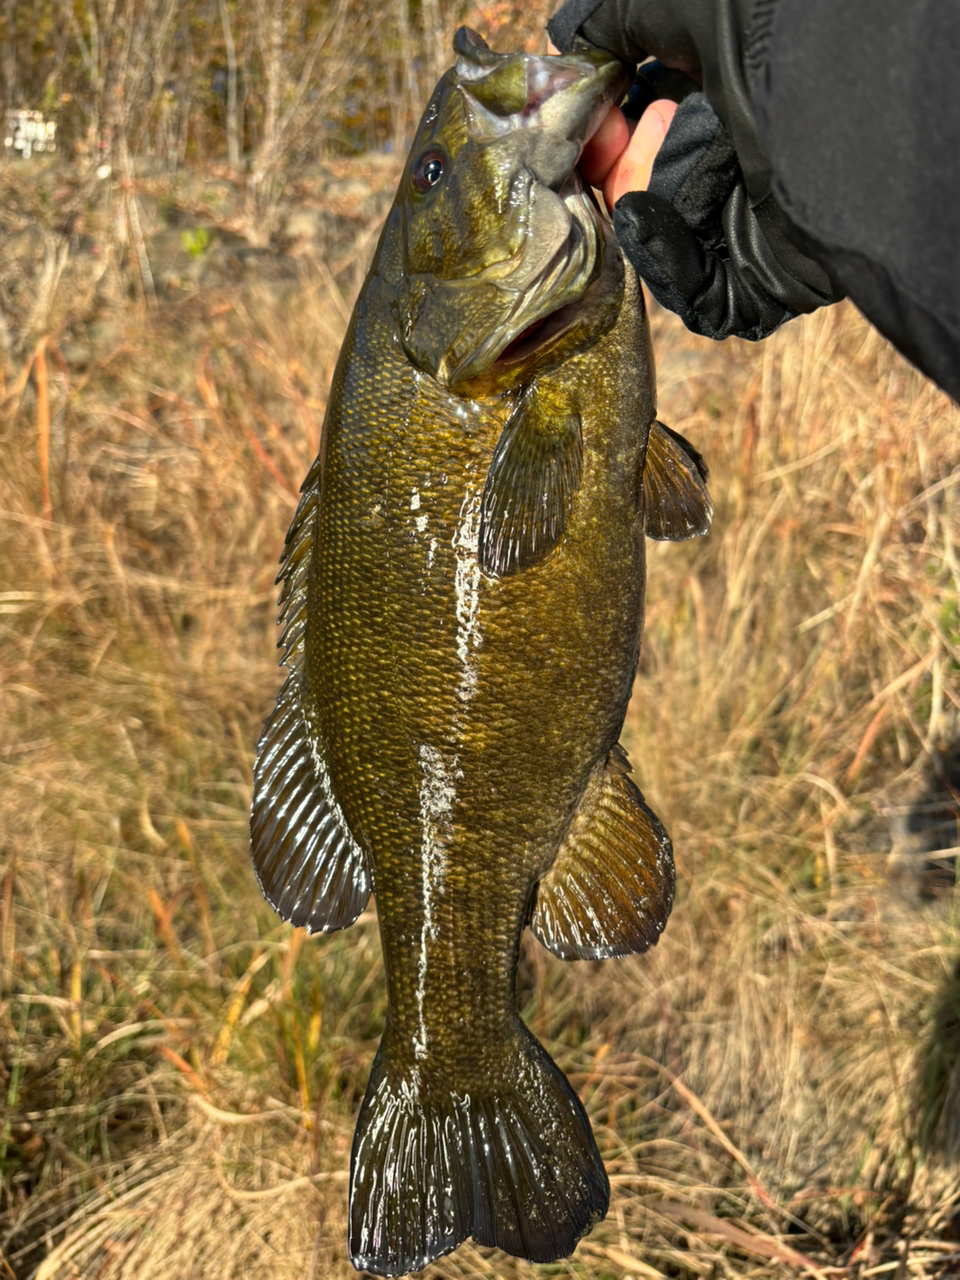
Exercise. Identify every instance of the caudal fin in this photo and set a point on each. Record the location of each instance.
(514, 1165)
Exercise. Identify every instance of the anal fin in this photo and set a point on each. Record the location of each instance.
(610, 889)
(676, 504)
(310, 868)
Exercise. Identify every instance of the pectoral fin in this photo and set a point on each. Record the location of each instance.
(676, 504)
(530, 487)
(610, 890)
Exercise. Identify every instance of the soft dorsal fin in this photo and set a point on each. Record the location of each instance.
(676, 504)
(530, 487)
(309, 866)
(610, 889)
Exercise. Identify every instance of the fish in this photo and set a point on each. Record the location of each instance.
(462, 592)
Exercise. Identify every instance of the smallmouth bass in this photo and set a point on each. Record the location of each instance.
(462, 600)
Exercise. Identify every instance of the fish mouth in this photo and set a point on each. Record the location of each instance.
(535, 335)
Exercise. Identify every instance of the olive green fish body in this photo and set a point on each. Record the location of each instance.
(463, 746)
(463, 595)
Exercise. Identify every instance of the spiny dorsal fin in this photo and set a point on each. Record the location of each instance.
(676, 504)
(308, 864)
(530, 487)
(610, 890)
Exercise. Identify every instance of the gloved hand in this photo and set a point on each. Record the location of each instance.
(707, 236)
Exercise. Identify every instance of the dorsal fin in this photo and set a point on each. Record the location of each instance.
(530, 487)
(309, 866)
(610, 889)
(676, 504)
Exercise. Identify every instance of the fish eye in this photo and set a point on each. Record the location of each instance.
(428, 170)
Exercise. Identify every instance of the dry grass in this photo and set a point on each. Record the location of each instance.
(776, 1088)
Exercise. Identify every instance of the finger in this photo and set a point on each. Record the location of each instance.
(633, 165)
(605, 147)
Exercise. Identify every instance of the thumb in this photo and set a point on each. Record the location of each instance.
(632, 169)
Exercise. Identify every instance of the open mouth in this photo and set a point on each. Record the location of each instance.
(540, 332)
(536, 310)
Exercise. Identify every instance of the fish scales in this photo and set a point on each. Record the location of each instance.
(462, 595)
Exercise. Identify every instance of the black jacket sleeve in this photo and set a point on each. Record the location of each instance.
(857, 108)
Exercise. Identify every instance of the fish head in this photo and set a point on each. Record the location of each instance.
(495, 248)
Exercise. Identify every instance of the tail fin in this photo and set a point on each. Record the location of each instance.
(515, 1166)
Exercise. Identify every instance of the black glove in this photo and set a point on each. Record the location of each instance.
(726, 266)
(708, 237)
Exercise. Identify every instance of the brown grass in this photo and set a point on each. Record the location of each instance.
(775, 1089)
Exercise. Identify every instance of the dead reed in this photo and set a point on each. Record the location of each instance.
(776, 1088)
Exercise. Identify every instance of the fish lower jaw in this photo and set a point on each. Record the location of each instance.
(580, 257)
(590, 314)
